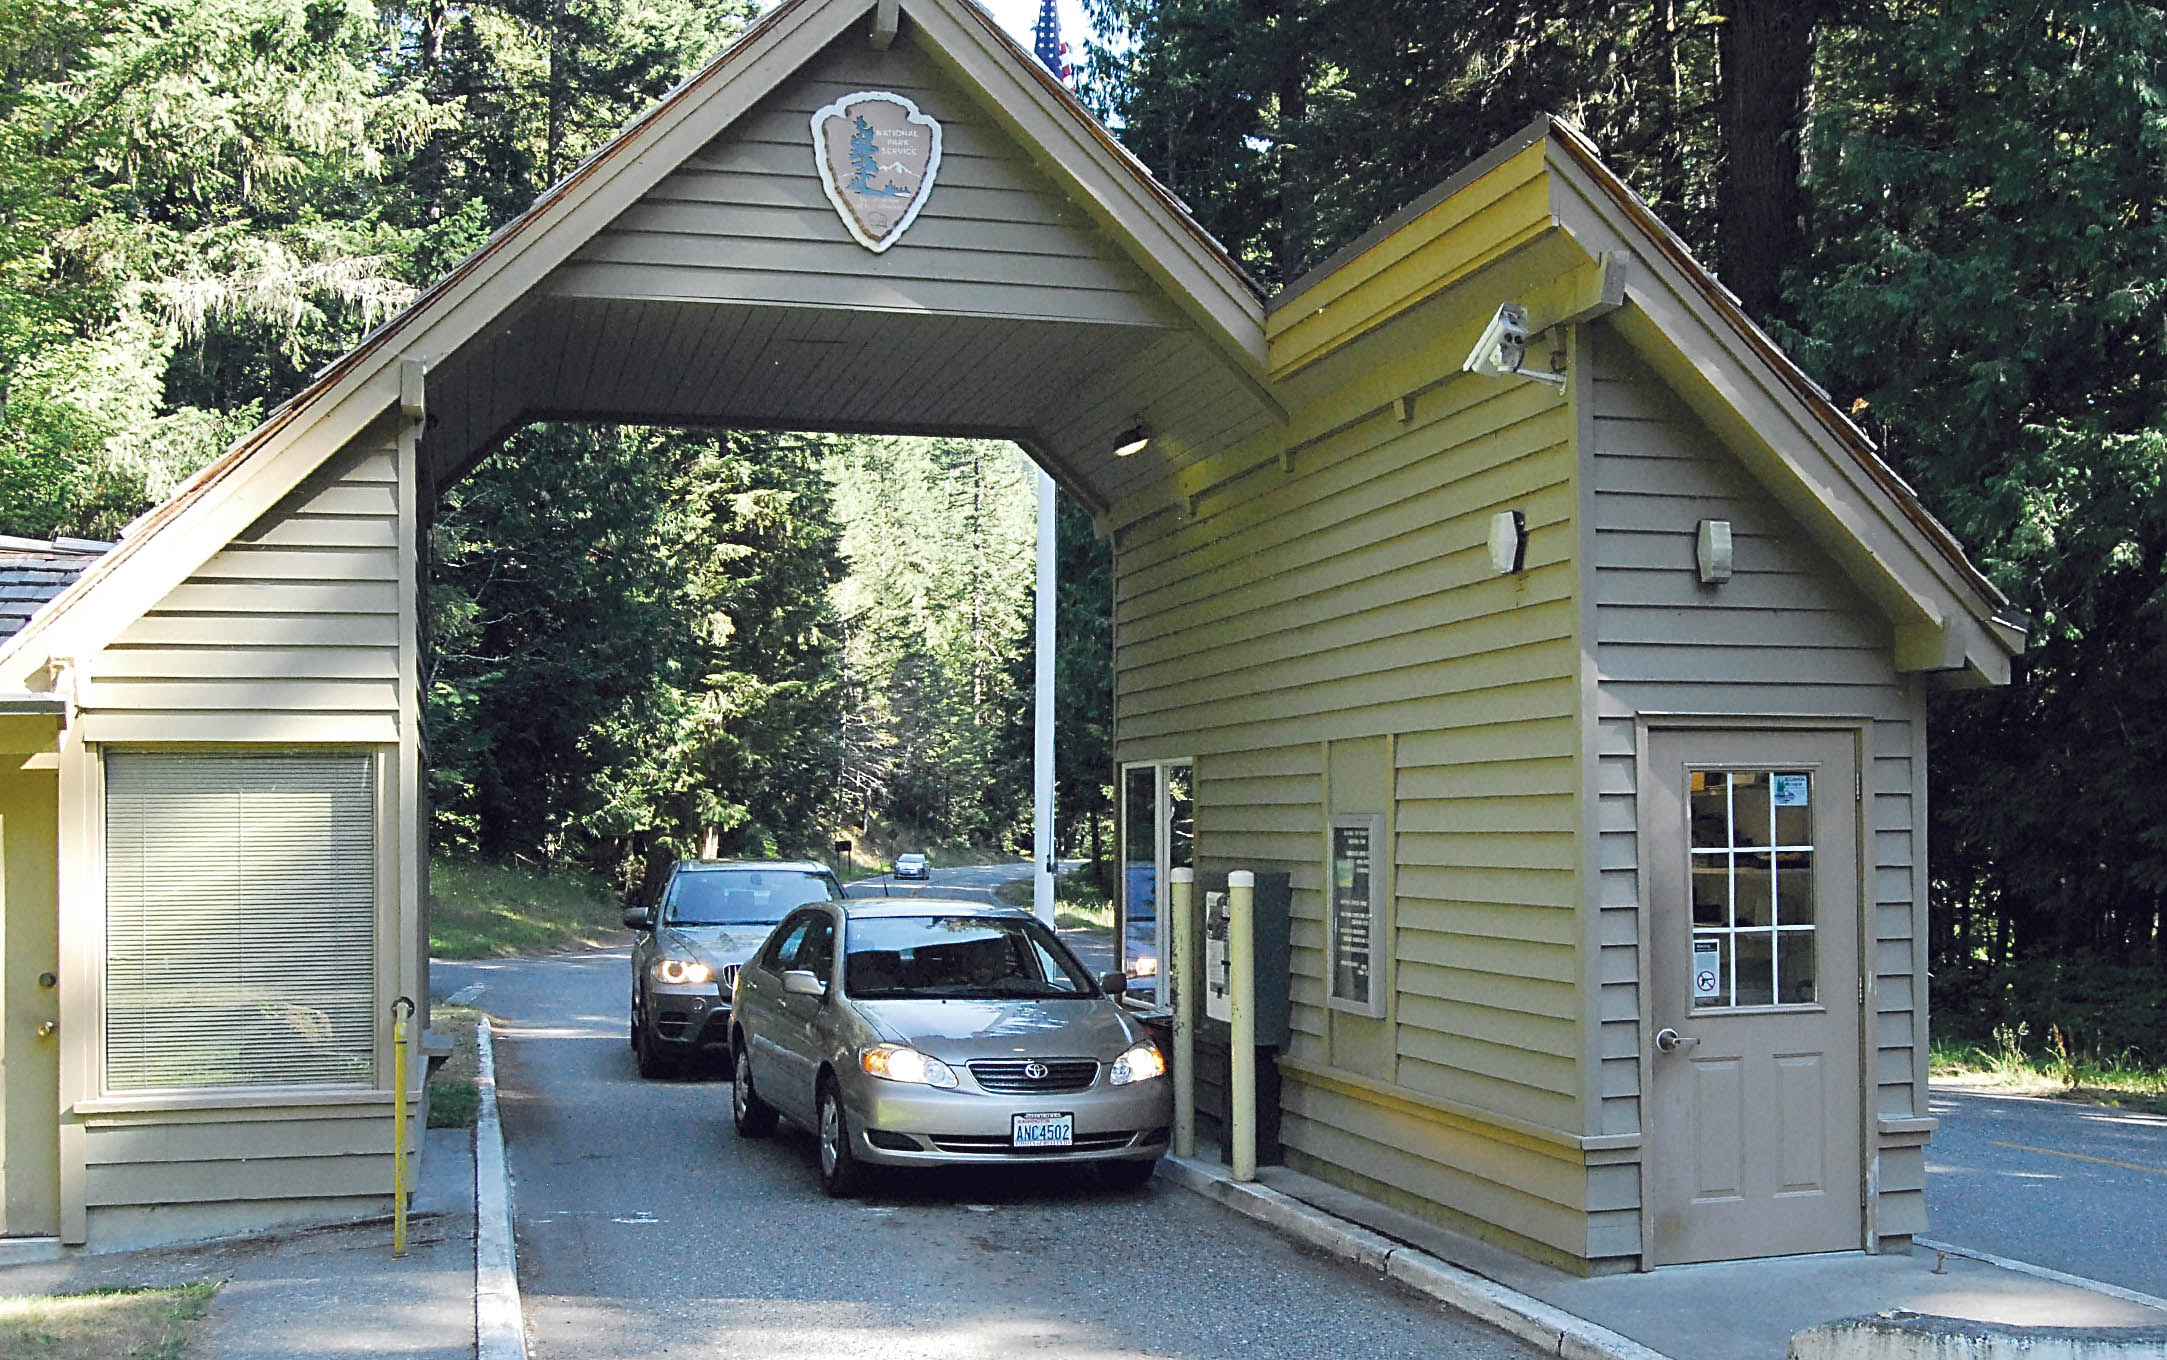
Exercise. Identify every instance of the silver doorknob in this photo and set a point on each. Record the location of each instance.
(1670, 1040)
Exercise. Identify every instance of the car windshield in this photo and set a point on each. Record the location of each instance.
(955, 958)
(742, 897)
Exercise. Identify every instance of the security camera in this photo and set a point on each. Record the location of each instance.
(1503, 348)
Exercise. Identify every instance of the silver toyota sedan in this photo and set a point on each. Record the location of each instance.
(929, 1032)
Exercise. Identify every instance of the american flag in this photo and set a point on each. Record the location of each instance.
(1048, 45)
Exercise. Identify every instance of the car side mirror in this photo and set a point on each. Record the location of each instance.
(803, 982)
(1114, 984)
(639, 918)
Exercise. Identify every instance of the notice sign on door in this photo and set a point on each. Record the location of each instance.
(1707, 972)
(1352, 914)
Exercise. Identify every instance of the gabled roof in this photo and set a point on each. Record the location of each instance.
(1544, 205)
(163, 547)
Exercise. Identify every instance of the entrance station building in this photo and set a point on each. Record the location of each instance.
(1581, 701)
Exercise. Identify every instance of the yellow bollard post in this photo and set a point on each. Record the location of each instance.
(402, 1012)
(1188, 995)
(1241, 951)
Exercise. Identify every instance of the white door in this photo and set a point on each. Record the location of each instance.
(1753, 1138)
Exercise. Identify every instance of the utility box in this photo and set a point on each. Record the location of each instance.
(1273, 916)
(1273, 926)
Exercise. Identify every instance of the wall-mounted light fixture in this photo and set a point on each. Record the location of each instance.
(1508, 541)
(1713, 551)
(1132, 440)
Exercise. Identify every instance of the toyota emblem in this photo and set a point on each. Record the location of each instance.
(1035, 1070)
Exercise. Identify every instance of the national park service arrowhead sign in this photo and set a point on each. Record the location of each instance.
(877, 156)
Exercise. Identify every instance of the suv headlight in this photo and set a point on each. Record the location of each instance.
(1140, 1063)
(893, 1062)
(682, 972)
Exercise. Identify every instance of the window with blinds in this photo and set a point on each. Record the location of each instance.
(240, 919)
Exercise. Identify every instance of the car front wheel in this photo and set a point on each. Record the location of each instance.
(751, 1116)
(841, 1174)
(1128, 1175)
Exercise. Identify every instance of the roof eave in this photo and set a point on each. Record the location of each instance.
(1990, 634)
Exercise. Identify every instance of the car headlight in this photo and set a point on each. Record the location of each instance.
(682, 972)
(1140, 1063)
(893, 1062)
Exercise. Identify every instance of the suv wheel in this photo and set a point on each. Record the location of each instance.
(841, 1175)
(651, 1063)
(751, 1116)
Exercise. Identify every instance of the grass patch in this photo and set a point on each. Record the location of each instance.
(455, 1097)
(2009, 1066)
(1077, 902)
(106, 1324)
(479, 910)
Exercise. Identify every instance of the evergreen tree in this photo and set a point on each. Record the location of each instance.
(1987, 296)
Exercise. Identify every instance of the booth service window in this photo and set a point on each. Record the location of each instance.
(240, 920)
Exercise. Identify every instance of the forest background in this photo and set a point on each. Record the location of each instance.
(653, 642)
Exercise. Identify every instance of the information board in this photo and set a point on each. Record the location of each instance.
(1355, 882)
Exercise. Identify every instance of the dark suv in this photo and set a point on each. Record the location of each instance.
(712, 914)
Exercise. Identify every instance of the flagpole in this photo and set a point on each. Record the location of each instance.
(1048, 47)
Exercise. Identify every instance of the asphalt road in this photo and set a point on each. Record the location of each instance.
(2074, 1188)
(646, 1228)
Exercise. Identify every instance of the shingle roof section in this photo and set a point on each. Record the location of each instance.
(33, 571)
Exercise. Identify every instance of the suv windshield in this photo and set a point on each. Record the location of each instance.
(742, 897)
(959, 958)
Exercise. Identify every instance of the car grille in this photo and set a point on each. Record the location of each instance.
(1000, 1147)
(1014, 1076)
(727, 978)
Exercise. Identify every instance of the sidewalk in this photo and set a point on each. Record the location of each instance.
(1741, 1311)
(322, 1291)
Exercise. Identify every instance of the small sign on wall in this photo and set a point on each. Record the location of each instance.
(1707, 972)
(1352, 917)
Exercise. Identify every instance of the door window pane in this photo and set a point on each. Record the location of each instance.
(1754, 976)
(1711, 811)
(1794, 968)
(1756, 891)
(1749, 808)
(1794, 888)
(1752, 868)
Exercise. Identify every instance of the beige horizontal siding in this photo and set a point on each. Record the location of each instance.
(747, 219)
(289, 633)
(1351, 597)
(1787, 635)
(298, 1153)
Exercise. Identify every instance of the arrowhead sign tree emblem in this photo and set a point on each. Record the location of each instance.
(878, 157)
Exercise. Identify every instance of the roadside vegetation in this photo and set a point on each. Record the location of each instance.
(455, 1097)
(2010, 1066)
(1078, 903)
(479, 910)
(105, 1324)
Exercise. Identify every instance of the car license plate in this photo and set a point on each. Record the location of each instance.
(1044, 1131)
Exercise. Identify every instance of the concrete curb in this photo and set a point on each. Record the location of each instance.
(2112, 1291)
(500, 1331)
(1551, 1329)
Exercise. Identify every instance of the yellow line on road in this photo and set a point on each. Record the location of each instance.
(2080, 1157)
